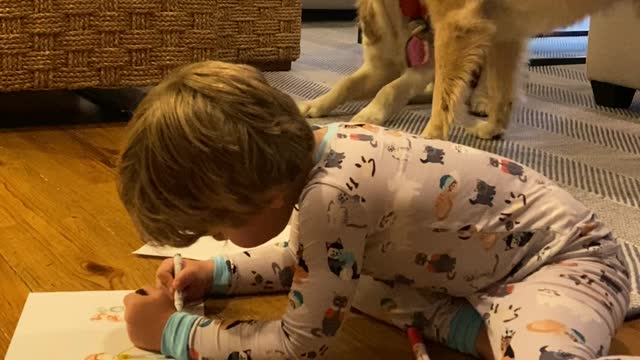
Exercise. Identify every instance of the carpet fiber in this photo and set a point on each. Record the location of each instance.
(591, 151)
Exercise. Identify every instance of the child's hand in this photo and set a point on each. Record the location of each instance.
(195, 279)
(146, 317)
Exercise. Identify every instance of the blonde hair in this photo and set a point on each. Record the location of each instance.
(205, 147)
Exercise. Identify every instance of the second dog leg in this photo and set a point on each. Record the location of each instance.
(460, 45)
(502, 65)
(362, 84)
(393, 96)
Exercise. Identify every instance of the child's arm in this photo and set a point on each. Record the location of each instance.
(267, 268)
(328, 265)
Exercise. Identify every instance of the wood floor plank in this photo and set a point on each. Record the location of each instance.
(13, 294)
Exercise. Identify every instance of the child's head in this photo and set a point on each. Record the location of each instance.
(214, 148)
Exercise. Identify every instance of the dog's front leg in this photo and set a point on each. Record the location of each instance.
(502, 65)
(362, 84)
(460, 44)
(393, 96)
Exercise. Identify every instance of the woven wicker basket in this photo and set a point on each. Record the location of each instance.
(73, 44)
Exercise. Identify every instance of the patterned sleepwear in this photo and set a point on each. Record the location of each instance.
(429, 234)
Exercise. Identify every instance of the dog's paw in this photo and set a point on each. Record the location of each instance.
(369, 116)
(479, 104)
(312, 109)
(486, 130)
(436, 132)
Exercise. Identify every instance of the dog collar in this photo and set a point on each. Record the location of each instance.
(413, 9)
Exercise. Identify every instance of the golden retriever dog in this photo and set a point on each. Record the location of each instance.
(485, 38)
(386, 72)
(489, 34)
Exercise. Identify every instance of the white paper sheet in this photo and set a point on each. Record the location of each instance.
(205, 248)
(84, 325)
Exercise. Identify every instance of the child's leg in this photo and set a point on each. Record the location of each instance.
(438, 315)
(568, 310)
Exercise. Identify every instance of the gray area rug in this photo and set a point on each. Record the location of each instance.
(557, 129)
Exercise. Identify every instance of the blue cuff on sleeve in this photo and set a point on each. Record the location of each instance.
(464, 329)
(221, 276)
(175, 336)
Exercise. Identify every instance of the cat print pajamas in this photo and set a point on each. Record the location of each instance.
(428, 234)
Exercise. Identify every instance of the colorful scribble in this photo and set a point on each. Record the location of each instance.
(112, 314)
(130, 353)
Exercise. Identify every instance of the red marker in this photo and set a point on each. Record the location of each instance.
(415, 339)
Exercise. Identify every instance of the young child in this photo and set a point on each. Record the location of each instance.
(479, 252)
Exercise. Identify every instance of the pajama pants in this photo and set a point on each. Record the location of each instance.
(565, 310)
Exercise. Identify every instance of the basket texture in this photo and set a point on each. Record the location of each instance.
(74, 44)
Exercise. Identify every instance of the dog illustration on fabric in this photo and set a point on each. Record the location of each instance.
(240, 355)
(333, 318)
(341, 262)
(509, 167)
(484, 194)
(433, 155)
(334, 159)
(339, 212)
(438, 264)
(400, 152)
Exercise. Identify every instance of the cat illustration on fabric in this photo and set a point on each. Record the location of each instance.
(438, 263)
(444, 202)
(302, 270)
(334, 159)
(518, 239)
(284, 275)
(333, 317)
(509, 167)
(433, 155)
(240, 355)
(505, 345)
(341, 262)
(339, 212)
(485, 194)
(400, 152)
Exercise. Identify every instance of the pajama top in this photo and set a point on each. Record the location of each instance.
(401, 209)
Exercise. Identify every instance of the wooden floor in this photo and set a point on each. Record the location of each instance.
(62, 227)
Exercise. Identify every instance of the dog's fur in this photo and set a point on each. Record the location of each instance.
(491, 34)
(384, 73)
(469, 35)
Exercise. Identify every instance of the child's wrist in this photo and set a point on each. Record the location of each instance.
(221, 276)
(175, 336)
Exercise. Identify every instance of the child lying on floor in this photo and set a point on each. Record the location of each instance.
(479, 252)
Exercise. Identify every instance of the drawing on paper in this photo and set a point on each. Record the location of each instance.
(113, 314)
(130, 353)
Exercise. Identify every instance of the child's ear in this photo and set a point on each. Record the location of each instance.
(278, 200)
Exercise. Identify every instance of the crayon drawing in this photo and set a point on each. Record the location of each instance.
(112, 313)
(87, 325)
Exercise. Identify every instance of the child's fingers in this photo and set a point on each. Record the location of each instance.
(164, 274)
(185, 278)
